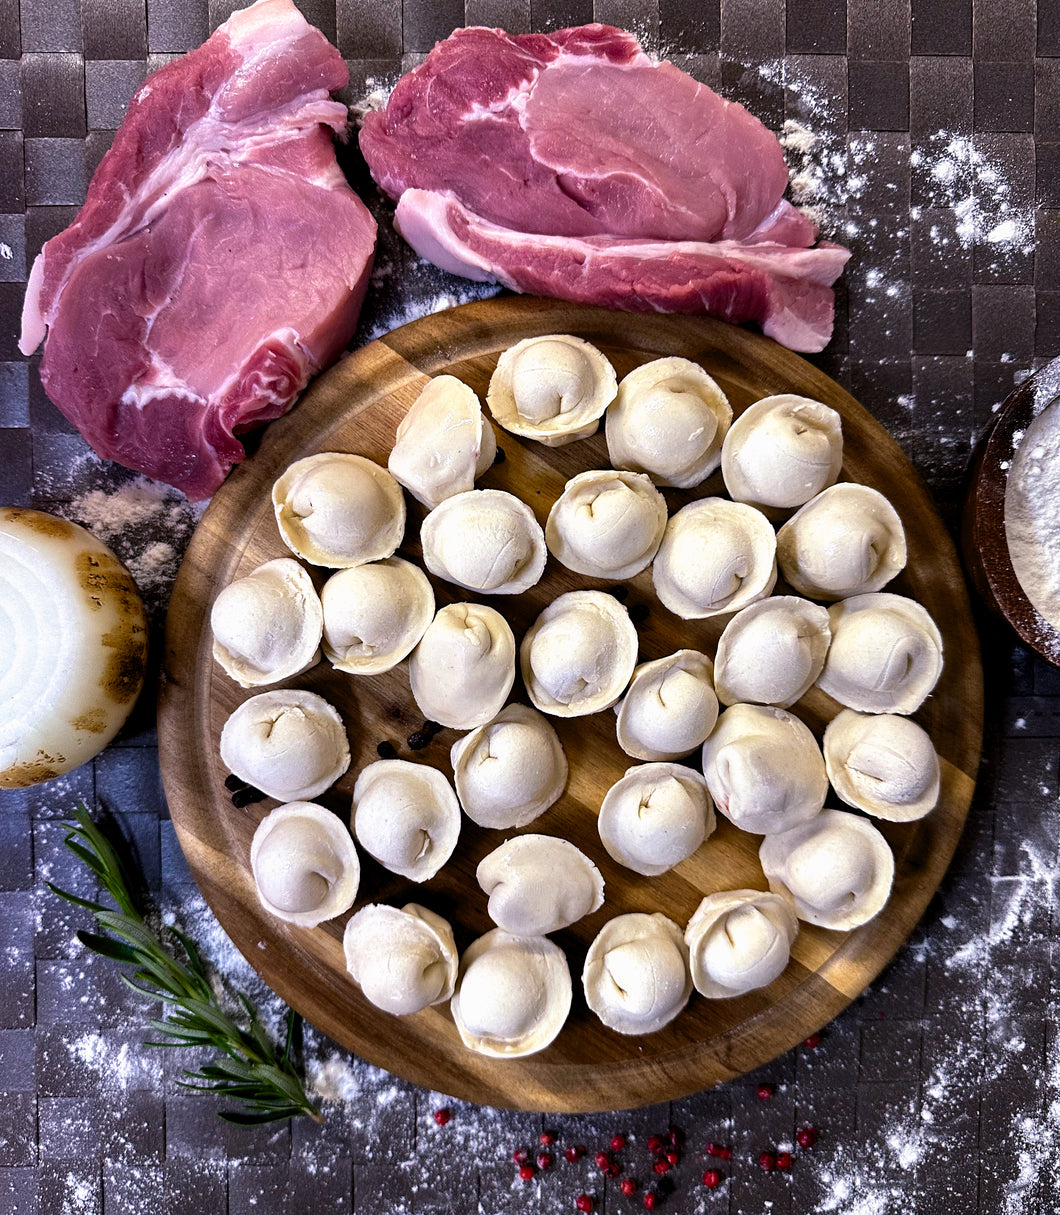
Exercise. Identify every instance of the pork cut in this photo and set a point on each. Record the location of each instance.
(573, 165)
(220, 258)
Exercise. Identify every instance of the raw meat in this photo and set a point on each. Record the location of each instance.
(220, 258)
(784, 288)
(640, 188)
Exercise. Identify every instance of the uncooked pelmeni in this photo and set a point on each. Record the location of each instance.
(537, 884)
(738, 941)
(781, 451)
(716, 556)
(606, 524)
(669, 708)
(513, 994)
(403, 959)
(848, 540)
(464, 666)
(510, 770)
(288, 743)
(885, 656)
(304, 864)
(883, 764)
(406, 816)
(553, 389)
(484, 540)
(267, 625)
(669, 420)
(764, 769)
(772, 651)
(375, 614)
(443, 443)
(338, 510)
(578, 655)
(636, 976)
(837, 869)
(655, 816)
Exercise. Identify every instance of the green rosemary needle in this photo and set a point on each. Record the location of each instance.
(248, 1068)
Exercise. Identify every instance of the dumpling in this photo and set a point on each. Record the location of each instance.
(289, 744)
(883, 764)
(669, 707)
(885, 656)
(403, 960)
(537, 884)
(443, 443)
(781, 451)
(764, 769)
(606, 524)
(375, 614)
(406, 816)
(267, 625)
(304, 864)
(553, 389)
(837, 869)
(848, 540)
(578, 655)
(669, 421)
(484, 540)
(513, 994)
(772, 651)
(655, 816)
(716, 556)
(464, 666)
(338, 510)
(738, 941)
(510, 770)
(636, 976)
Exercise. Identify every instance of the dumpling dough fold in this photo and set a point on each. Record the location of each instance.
(374, 614)
(513, 994)
(443, 444)
(288, 743)
(338, 509)
(403, 960)
(553, 389)
(655, 816)
(764, 769)
(669, 420)
(484, 540)
(406, 816)
(636, 975)
(578, 655)
(537, 884)
(267, 625)
(606, 524)
(464, 666)
(781, 451)
(883, 764)
(304, 864)
(848, 540)
(886, 654)
(716, 556)
(772, 651)
(738, 941)
(837, 869)
(669, 708)
(509, 770)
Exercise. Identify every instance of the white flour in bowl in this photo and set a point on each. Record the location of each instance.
(1032, 501)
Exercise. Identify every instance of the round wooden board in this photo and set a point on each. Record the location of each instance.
(356, 407)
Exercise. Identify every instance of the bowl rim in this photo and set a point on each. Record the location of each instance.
(985, 532)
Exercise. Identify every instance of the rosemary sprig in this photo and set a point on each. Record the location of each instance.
(248, 1067)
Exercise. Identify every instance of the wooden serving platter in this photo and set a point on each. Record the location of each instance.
(356, 407)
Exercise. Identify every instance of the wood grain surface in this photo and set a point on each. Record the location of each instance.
(356, 407)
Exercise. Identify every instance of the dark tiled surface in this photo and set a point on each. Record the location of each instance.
(935, 1089)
